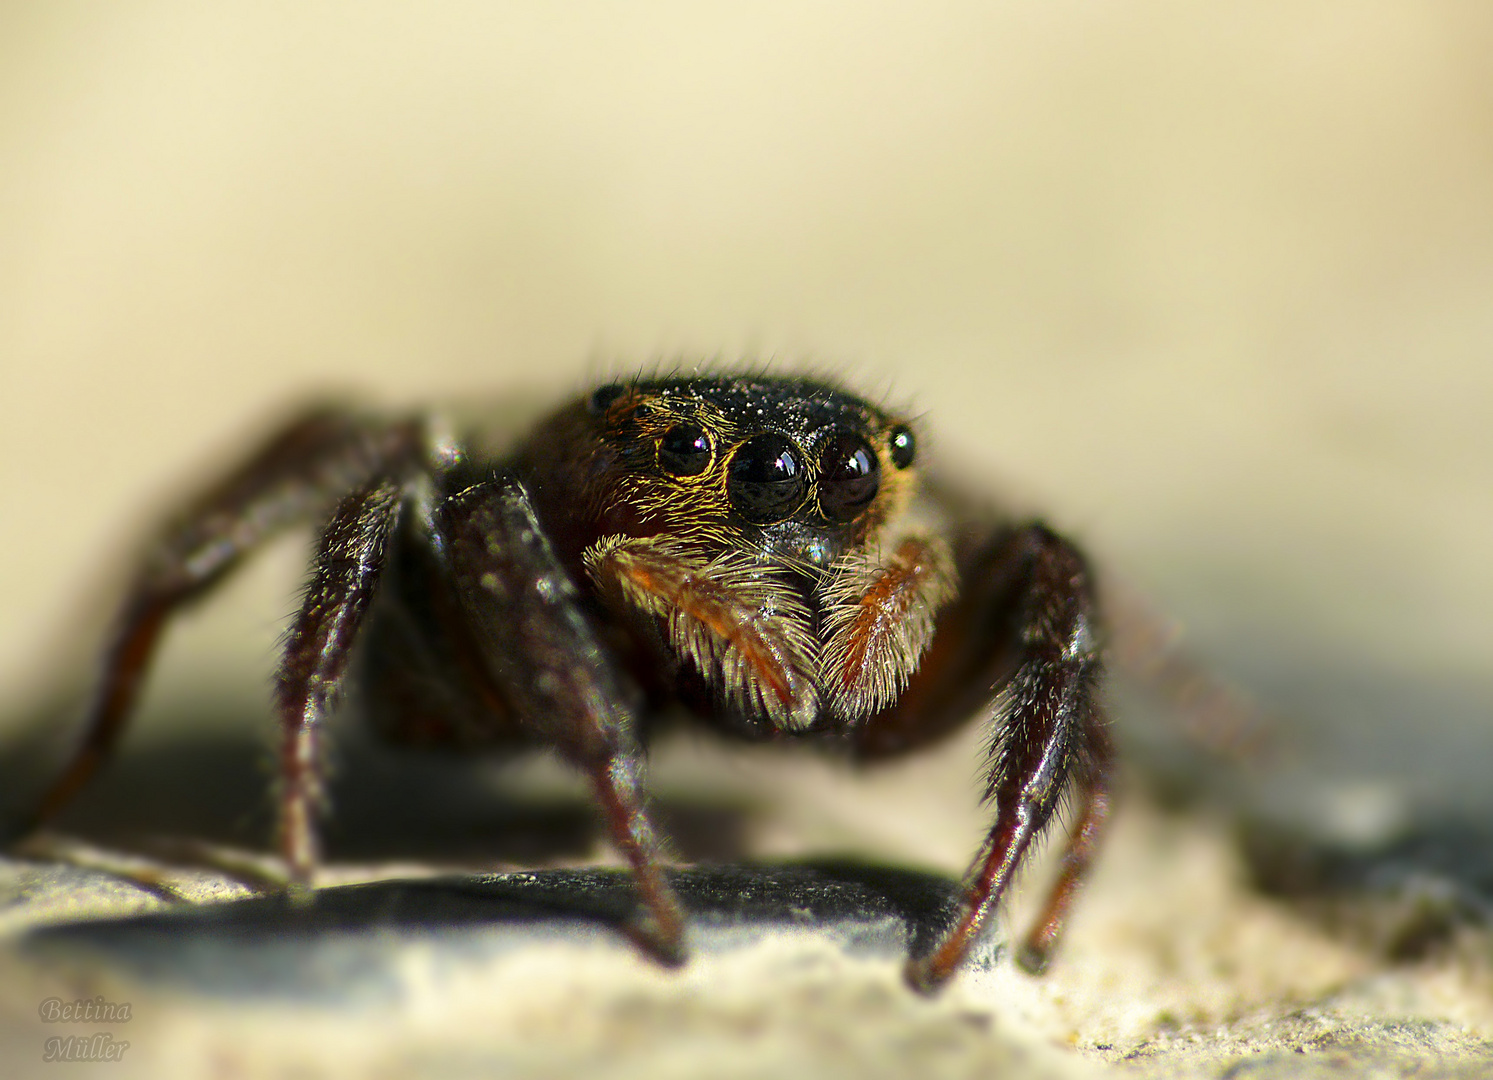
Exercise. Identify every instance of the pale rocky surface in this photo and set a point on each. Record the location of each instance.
(1176, 964)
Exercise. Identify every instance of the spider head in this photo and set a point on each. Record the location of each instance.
(791, 468)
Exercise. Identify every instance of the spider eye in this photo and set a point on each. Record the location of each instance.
(603, 396)
(849, 475)
(766, 482)
(903, 446)
(685, 450)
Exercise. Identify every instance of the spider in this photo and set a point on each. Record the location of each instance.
(757, 551)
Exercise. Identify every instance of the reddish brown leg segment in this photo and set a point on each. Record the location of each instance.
(983, 888)
(306, 467)
(124, 669)
(1078, 858)
(540, 650)
(1031, 599)
(1217, 715)
(349, 561)
(659, 924)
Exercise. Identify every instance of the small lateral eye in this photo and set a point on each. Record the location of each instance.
(685, 450)
(903, 446)
(849, 475)
(766, 482)
(603, 396)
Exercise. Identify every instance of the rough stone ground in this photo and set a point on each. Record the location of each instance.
(1204, 947)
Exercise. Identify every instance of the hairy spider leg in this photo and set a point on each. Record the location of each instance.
(1216, 715)
(542, 652)
(300, 472)
(423, 680)
(1024, 639)
(1092, 815)
(350, 559)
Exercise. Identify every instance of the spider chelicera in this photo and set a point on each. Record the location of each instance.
(756, 551)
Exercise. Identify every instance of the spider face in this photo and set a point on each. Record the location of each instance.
(795, 470)
(743, 549)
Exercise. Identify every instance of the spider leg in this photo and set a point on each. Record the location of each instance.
(1083, 843)
(541, 650)
(350, 559)
(299, 472)
(1024, 637)
(422, 678)
(1216, 715)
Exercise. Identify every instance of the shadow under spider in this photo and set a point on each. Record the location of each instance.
(211, 779)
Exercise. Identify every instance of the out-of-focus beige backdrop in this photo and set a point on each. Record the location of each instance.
(1213, 284)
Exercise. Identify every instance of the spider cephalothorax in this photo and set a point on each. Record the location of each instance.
(751, 519)
(757, 550)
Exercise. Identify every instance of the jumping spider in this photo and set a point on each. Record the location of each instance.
(756, 550)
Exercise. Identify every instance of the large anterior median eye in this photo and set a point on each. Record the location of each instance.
(849, 475)
(684, 450)
(766, 481)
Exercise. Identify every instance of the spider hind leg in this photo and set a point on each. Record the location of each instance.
(304, 470)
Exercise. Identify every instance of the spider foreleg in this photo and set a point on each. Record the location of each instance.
(541, 651)
(1047, 737)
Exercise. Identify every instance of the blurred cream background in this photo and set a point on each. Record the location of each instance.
(1211, 284)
